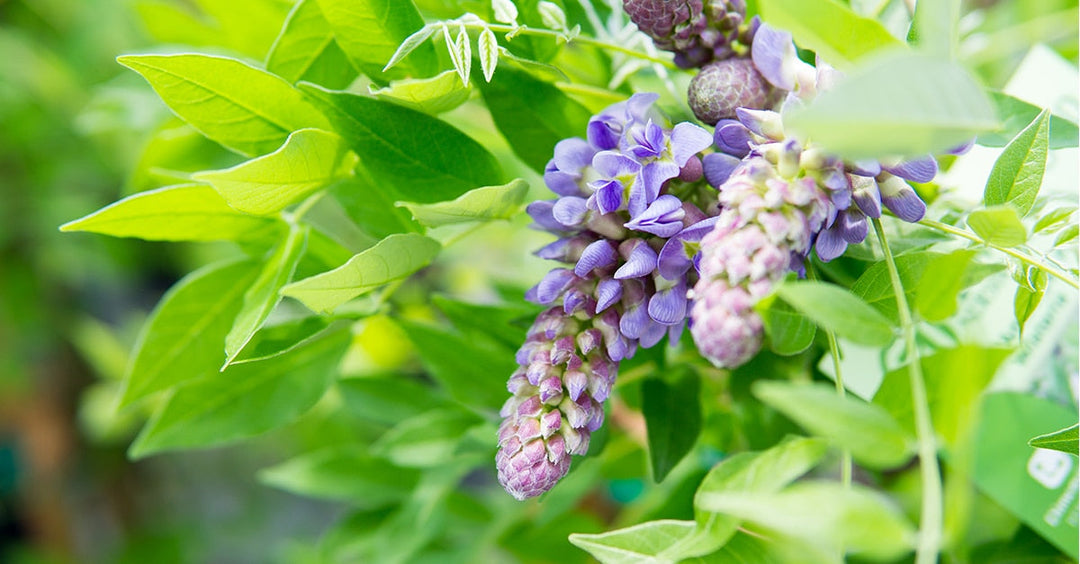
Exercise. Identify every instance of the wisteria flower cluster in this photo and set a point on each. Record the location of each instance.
(782, 199)
(697, 31)
(628, 242)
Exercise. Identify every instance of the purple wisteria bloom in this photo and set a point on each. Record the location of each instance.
(782, 200)
(619, 207)
(697, 31)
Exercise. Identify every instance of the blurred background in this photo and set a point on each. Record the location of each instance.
(78, 132)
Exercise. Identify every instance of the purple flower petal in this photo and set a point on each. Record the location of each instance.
(669, 306)
(641, 261)
(866, 195)
(866, 168)
(553, 285)
(732, 137)
(607, 196)
(962, 149)
(901, 199)
(572, 155)
(634, 321)
(763, 122)
(613, 164)
(674, 258)
(830, 244)
(718, 168)
(603, 132)
(597, 255)
(576, 381)
(662, 218)
(773, 53)
(650, 141)
(922, 169)
(570, 211)
(562, 183)
(652, 334)
(688, 140)
(639, 106)
(853, 226)
(608, 291)
(653, 177)
(541, 212)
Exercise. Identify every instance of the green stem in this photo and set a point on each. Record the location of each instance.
(1056, 273)
(931, 520)
(524, 30)
(834, 351)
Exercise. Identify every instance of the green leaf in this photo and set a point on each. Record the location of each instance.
(935, 27)
(903, 105)
(1053, 220)
(789, 331)
(189, 212)
(347, 473)
(875, 287)
(1068, 234)
(391, 259)
(1065, 440)
(310, 160)
(488, 48)
(1016, 114)
(247, 399)
(1018, 173)
(943, 278)
(426, 440)
(825, 514)
(1029, 295)
(369, 31)
(470, 371)
(306, 50)
(955, 379)
(505, 324)
(480, 204)
(423, 158)
(183, 337)
(245, 109)
(639, 544)
(999, 226)
(868, 431)
(387, 400)
(532, 115)
(763, 472)
(835, 308)
(829, 28)
(672, 411)
(261, 298)
(440, 93)
(276, 339)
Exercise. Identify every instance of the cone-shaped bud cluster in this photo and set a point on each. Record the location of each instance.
(565, 374)
(697, 31)
(778, 202)
(628, 245)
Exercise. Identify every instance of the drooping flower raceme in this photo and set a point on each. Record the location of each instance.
(779, 201)
(628, 242)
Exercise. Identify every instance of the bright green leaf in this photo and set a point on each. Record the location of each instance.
(789, 331)
(310, 160)
(1018, 173)
(999, 226)
(1016, 114)
(247, 399)
(955, 379)
(393, 258)
(347, 473)
(306, 50)
(183, 337)
(868, 431)
(262, 296)
(829, 28)
(480, 204)
(1029, 295)
(369, 31)
(672, 411)
(639, 544)
(440, 93)
(488, 48)
(825, 514)
(764, 472)
(470, 371)
(1068, 234)
(1053, 220)
(1065, 440)
(936, 297)
(423, 158)
(903, 105)
(935, 27)
(532, 115)
(387, 400)
(189, 212)
(835, 308)
(426, 440)
(506, 324)
(245, 109)
(276, 339)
